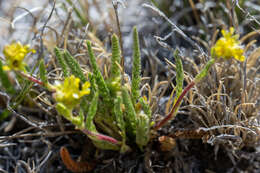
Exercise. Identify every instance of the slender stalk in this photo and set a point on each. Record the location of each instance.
(175, 107)
(31, 78)
(197, 79)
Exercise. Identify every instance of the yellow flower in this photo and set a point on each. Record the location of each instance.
(14, 55)
(228, 46)
(70, 92)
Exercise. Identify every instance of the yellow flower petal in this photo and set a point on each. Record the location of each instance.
(69, 93)
(6, 68)
(14, 55)
(228, 46)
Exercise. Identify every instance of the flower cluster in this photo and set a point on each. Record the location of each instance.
(70, 92)
(228, 46)
(14, 55)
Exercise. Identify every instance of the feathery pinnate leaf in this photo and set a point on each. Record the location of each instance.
(43, 72)
(179, 75)
(74, 66)
(102, 86)
(101, 141)
(136, 69)
(119, 116)
(115, 61)
(91, 113)
(130, 114)
(61, 61)
(204, 71)
(143, 124)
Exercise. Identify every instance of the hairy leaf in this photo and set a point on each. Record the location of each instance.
(74, 66)
(61, 61)
(179, 75)
(115, 61)
(129, 111)
(102, 86)
(136, 70)
(43, 72)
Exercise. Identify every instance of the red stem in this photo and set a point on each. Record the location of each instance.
(31, 78)
(175, 107)
(101, 136)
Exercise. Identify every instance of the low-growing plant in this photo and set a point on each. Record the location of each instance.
(109, 109)
(110, 105)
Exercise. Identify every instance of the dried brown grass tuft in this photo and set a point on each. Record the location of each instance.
(226, 103)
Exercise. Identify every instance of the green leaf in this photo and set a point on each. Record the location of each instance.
(179, 75)
(142, 129)
(92, 110)
(119, 115)
(91, 131)
(129, 111)
(5, 81)
(61, 62)
(136, 71)
(43, 72)
(67, 113)
(114, 82)
(143, 124)
(22, 94)
(74, 66)
(116, 58)
(102, 86)
(146, 108)
(205, 70)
